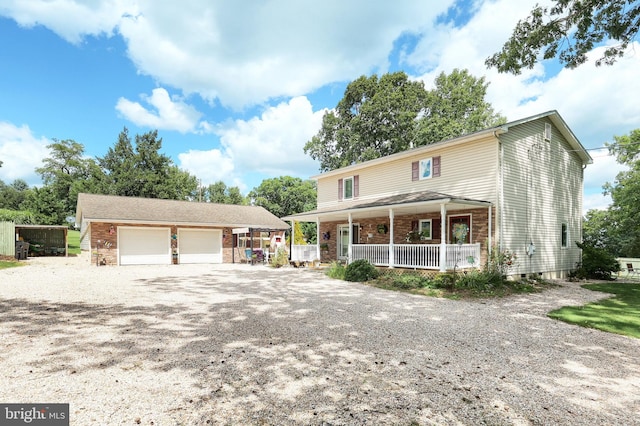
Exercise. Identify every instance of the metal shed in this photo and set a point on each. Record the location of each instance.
(44, 240)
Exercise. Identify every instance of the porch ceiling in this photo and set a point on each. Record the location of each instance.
(402, 204)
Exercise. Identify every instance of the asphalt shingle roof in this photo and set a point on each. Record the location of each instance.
(99, 208)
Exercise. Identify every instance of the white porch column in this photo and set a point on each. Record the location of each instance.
(318, 238)
(349, 248)
(392, 259)
(443, 237)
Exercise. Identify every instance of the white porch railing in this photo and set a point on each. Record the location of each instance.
(376, 254)
(463, 255)
(304, 253)
(420, 256)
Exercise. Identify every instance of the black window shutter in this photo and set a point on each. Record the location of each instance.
(415, 171)
(436, 229)
(414, 225)
(436, 166)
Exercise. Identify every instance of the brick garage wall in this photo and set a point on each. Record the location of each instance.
(104, 240)
(402, 226)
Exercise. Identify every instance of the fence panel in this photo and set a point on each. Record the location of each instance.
(304, 253)
(8, 238)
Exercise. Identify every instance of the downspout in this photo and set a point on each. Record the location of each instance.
(500, 211)
(392, 259)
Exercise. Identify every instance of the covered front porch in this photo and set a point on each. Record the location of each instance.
(426, 230)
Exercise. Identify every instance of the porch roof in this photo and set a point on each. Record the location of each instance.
(415, 202)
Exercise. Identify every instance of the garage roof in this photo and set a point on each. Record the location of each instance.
(111, 208)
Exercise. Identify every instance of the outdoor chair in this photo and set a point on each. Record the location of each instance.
(632, 273)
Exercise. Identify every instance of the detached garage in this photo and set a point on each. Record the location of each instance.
(144, 231)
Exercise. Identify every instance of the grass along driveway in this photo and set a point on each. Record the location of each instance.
(618, 314)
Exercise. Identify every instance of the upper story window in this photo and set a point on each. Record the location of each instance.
(348, 188)
(426, 168)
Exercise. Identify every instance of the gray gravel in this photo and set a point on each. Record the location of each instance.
(252, 345)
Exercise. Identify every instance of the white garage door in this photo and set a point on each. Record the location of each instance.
(144, 246)
(200, 245)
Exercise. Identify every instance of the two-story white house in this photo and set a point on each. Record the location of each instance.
(515, 187)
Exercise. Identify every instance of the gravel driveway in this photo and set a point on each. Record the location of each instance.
(239, 344)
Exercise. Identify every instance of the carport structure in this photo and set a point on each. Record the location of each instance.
(133, 231)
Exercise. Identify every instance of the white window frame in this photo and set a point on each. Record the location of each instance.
(344, 188)
(564, 235)
(425, 168)
(421, 223)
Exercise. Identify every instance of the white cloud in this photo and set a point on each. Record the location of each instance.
(596, 201)
(271, 144)
(604, 169)
(166, 113)
(70, 19)
(21, 153)
(210, 166)
(236, 52)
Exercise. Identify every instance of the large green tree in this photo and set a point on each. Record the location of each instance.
(381, 116)
(624, 211)
(143, 171)
(219, 192)
(569, 30)
(376, 117)
(65, 173)
(599, 230)
(456, 106)
(287, 195)
(12, 196)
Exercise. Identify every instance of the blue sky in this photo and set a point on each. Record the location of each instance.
(235, 90)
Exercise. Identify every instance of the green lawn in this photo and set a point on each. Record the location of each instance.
(619, 314)
(9, 263)
(73, 239)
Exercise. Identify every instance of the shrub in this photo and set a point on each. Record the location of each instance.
(596, 263)
(360, 270)
(410, 281)
(444, 281)
(336, 271)
(280, 258)
(479, 280)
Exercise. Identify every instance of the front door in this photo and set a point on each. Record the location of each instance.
(454, 223)
(343, 239)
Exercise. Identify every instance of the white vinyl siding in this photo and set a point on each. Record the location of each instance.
(144, 246)
(542, 189)
(199, 246)
(466, 170)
